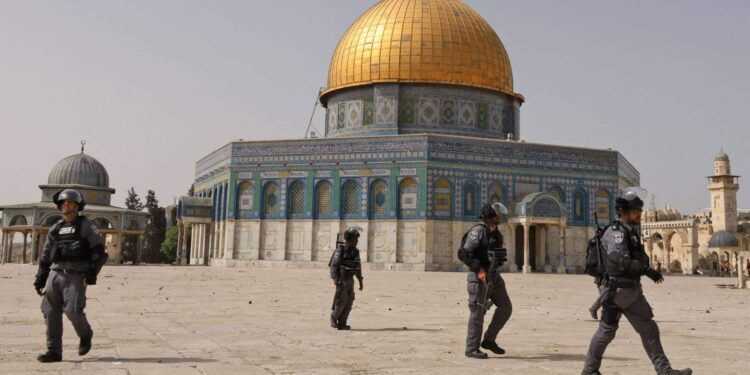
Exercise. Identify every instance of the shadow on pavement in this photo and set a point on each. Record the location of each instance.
(560, 357)
(399, 329)
(148, 360)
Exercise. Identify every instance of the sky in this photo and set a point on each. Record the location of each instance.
(153, 86)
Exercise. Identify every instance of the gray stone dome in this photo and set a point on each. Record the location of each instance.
(79, 169)
(723, 238)
(721, 156)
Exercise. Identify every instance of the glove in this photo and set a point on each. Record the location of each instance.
(91, 278)
(360, 284)
(654, 275)
(40, 281)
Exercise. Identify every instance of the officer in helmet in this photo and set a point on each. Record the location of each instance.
(474, 252)
(345, 264)
(72, 257)
(625, 262)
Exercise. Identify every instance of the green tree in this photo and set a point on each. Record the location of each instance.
(155, 231)
(168, 248)
(130, 243)
(133, 201)
(191, 191)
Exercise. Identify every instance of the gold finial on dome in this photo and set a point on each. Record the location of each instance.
(421, 41)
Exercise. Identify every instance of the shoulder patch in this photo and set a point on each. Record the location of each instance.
(619, 237)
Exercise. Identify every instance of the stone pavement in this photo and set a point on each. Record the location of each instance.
(207, 320)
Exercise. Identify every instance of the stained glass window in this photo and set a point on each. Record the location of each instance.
(470, 194)
(350, 198)
(323, 199)
(407, 203)
(579, 205)
(270, 200)
(496, 194)
(442, 197)
(245, 196)
(602, 206)
(296, 198)
(379, 198)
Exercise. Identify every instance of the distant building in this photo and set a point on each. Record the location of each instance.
(719, 235)
(31, 221)
(422, 127)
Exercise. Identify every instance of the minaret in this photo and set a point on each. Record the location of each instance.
(723, 187)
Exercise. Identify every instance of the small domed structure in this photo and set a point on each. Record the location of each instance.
(79, 169)
(723, 238)
(83, 173)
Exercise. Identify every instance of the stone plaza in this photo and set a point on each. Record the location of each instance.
(211, 320)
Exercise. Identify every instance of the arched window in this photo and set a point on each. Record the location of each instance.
(602, 206)
(245, 196)
(557, 192)
(323, 199)
(407, 197)
(350, 198)
(17, 220)
(442, 197)
(296, 205)
(497, 194)
(270, 200)
(379, 198)
(580, 206)
(470, 200)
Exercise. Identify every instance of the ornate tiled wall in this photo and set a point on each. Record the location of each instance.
(389, 109)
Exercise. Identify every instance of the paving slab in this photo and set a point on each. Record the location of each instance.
(211, 320)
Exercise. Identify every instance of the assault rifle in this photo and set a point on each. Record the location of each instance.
(498, 256)
(338, 283)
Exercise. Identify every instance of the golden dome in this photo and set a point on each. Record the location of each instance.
(421, 41)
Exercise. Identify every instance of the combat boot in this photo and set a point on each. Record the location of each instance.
(686, 371)
(49, 357)
(343, 326)
(334, 322)
(590, 373)
(492, 346)
(476, 354)
(85, 345)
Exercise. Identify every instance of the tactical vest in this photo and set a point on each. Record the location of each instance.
(68, 244)
(350, 262)
(635, 250)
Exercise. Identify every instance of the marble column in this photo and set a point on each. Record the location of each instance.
(178, 251)
(25, 241)
(3, 238)
(526, 266)
(34, 245)
(183, 248)
(563, 255)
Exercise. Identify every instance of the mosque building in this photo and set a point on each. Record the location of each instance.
(32, 221)
(706, 241)
(423, 126)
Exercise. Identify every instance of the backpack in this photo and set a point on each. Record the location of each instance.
(594, 255)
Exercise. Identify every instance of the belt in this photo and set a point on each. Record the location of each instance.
(71, 272)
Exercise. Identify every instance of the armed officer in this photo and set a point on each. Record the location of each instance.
(625, 262)
(481, 243)
(72, 257)
(345, 264)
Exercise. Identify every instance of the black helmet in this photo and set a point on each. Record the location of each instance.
(631, 199)
(487, 212)
(350, 233)
(69, 195)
